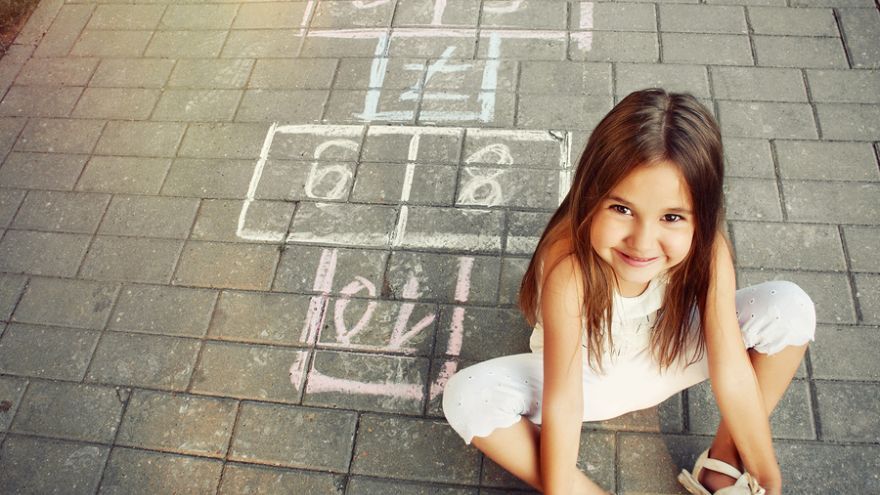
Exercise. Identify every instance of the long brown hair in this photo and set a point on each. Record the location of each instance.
(646, 127)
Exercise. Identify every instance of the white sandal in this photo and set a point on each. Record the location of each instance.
(745, 484)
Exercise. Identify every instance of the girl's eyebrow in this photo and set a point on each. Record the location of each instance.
(618, 199)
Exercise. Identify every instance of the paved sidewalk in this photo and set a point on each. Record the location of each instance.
(244, 244)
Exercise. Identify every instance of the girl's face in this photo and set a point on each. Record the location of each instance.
(645, 226)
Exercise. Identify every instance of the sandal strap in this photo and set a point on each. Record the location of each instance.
(721, 467)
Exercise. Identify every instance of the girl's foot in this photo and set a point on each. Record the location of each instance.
(713, 480)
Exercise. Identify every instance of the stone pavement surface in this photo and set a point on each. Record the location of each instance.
(244, 244)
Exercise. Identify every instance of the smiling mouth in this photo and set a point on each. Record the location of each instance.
(635, 261)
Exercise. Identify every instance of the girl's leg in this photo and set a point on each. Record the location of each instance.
(517, 449)
(774, 374)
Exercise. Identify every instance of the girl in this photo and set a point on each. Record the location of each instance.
(632, 295)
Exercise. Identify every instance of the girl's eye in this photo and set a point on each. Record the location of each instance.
(672, 218)
(620, 209)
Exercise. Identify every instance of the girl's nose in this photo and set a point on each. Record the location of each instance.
(642, 238)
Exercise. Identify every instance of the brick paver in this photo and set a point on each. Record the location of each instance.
(244, 244)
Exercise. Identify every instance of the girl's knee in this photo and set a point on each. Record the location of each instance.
(783, 314)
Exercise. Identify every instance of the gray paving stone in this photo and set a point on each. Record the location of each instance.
(76, 467)
(861, 245)
(748, 158)
(792, 417)
(218, 219)
(93, 43)
(461, 13)
(260, 318)
(595, 459)
(524, 48)
(186, 44)
(862, 86)
(360, 485)
(400, 46)
(356, 73)
(132, 472)
(721, 49)
(211, 73)
(789, 246)
(861, 29)
(767, 120)
(679, 18)
(42, 253)
(314, 73)
(607, 16)
(132, 73)
(453, 229)
(183, 424)
(617, 46)
(164, 310)
(837, 401)
(15, 58)
(672, 77)
(246, 371)
(216, 16)
(830, 292)
(143, 361)
(126, 17)
(838, 202)
(365, 382)
(665, 417)
(131, 259)
(343, 14)
(197, 105)
(124, 138)
(11, 391)
(365, 225)
(439, 275)
(247, 266)
(269, 15)
(383, 183)
(752, 199)
(244, 478)
(75, 303)
(124, 175)
(560, 111)
(37, 101)
(813, 160)
(799, 51)
(63, 32)
(11, 287)
(849, 121)
(55, 409)
(258, 105)
(518, 188)
(793, 22)
(845, 353)
(650, 462)
(205, 178)
(867, 290)
(524, 230)
(530, 14)
(46, 352)
(301, 269)
(397, 446)
(512, 271)
(61, 211)
(10, 127)
(350, 106)
(758, 83)
(262, 43)
(831, 3)
(828, 468)
(10, 201)
(565, 78)
(60, 135)
(378, 325)
(382, 146)
(57, 71)
(294, 437)
(487, 333)
(149, 216)
(223, 140)
(41, 170)
(469, 76)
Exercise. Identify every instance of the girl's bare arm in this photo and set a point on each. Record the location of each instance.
(732, 376)
(562, 410)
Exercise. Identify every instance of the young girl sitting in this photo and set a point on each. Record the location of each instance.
(633, 298)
